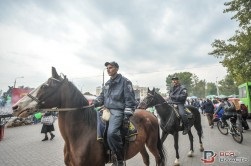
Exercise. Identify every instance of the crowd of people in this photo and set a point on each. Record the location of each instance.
(223, 108)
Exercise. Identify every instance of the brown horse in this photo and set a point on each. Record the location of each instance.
(78, 124)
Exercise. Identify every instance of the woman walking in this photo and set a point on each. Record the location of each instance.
(48, 128)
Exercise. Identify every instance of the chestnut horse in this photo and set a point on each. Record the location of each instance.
(169, 121)
(78, 124)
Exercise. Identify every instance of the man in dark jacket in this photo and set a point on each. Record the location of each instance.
(178, 95)
(118, 96)
(208, 107)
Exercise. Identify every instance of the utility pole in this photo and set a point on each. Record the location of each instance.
(16, 81)
(217, 87)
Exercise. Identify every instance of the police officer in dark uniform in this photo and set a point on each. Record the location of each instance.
(178, 95)
(118, 96)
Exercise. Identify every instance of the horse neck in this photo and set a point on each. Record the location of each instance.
(71, 97)
(164, 110)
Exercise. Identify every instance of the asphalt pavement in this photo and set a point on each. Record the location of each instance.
(22, 146)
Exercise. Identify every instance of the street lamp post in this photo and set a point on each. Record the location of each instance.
(103, 83)
(217, 87)
(16, 81)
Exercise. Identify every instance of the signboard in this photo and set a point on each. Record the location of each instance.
(18, 93)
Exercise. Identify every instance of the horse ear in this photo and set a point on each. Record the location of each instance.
(153, 89)
(148, 90)
(54, 73)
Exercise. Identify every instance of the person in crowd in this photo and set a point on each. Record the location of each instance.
(208, 107)
(178, 96)
(37, 117)
(229, 110)
(244, 114)
(117, 96)
(48, 128)
(202, 108)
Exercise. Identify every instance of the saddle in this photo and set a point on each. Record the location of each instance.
(128, 133)
(188, 112)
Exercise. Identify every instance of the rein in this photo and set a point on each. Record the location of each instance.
(65, 109)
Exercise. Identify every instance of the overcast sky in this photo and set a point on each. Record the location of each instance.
(149, 40)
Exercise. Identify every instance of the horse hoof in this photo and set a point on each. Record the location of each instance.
(176, 162)
(190, 153)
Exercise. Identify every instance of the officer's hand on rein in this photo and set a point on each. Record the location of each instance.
(129, 111)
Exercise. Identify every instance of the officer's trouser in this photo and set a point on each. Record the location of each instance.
(114, 134)
(183, 114)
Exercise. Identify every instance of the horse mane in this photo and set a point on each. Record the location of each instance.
(88, 114)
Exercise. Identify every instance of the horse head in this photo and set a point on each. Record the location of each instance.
(149, 100)
(44, 96)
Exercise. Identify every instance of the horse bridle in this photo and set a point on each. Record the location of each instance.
(146, 103)
(39, 102)
(55, 108)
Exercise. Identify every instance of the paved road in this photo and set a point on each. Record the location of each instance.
(22, 146)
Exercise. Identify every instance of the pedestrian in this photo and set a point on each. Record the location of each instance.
(178, 96)
(117, 96)
(37, 117)
(48, 128)
(208, 107)
(244, 114)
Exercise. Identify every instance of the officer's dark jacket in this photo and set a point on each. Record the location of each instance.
(117, 94)
(178, 94)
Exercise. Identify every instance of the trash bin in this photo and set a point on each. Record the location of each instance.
(1, 131)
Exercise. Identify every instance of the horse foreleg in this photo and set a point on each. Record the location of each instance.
(66, 156)
(145, 156)
(190, 135)
(163, 136)
(176, 147)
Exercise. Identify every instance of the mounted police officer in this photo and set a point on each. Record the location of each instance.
(178, 95)
(118, 96)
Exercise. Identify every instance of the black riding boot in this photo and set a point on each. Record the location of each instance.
(120, 161)
(185, 124)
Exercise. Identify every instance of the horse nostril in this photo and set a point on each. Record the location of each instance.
(14, 108)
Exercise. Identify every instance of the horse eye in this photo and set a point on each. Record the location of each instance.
(45, 85)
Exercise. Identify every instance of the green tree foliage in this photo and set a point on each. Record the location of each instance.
(236, 51)
(211, 89)
(242, 8)
(199, 89)
(227, 86)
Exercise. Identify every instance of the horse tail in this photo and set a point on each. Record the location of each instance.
(198, 126)
(161, 149)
